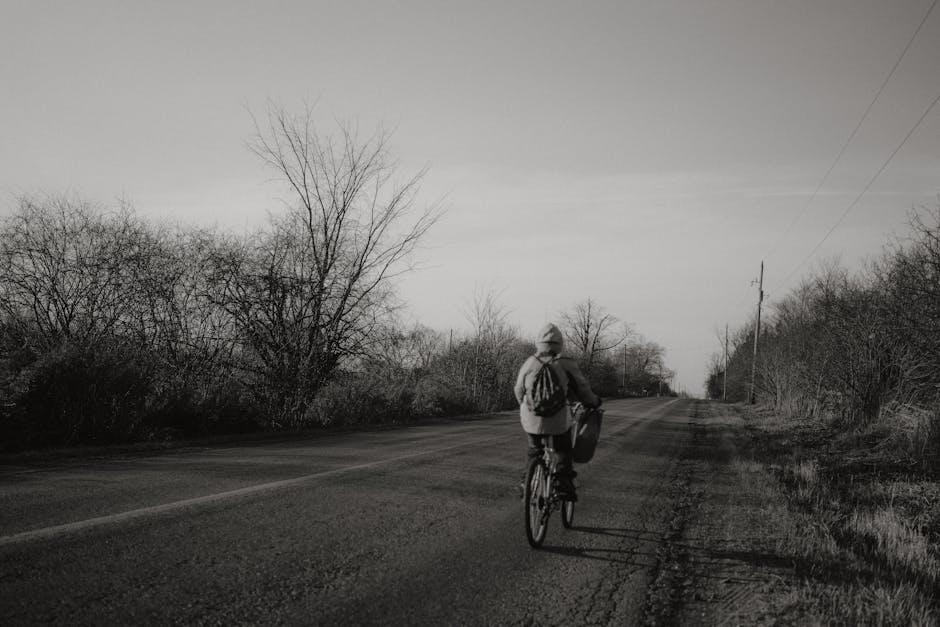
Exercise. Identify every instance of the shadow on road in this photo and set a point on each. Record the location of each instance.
(629, 554)
(626, 556)
(621, 532)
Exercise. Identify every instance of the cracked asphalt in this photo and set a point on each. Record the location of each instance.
(420, 525)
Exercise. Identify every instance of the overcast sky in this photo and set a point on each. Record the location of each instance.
(645, 154)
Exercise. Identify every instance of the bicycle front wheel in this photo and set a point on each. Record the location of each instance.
(535, 503)
(567, 514)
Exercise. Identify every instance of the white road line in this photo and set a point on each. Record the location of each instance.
(91, 523)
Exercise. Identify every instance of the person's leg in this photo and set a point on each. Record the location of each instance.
(534, 451)
(563, 449)
(536, 446)
(564, 472)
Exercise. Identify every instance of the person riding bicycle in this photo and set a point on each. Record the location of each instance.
(555, 424)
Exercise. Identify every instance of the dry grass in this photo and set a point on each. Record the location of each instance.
(916, 501)
(858, 604)
(886, 535)
(911, 430)
(807, 526)
(864, 545)
(805, 472)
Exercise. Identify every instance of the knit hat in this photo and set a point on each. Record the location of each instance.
(550, 339)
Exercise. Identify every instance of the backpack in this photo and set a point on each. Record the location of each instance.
(547, 393)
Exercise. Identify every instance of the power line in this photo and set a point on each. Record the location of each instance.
(864, 191)
(848, 141)
(841, 153)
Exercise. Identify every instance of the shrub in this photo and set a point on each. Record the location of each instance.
(912, 430)
(356, 398)
(75, 394)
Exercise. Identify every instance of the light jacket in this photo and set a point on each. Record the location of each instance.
(568, 371)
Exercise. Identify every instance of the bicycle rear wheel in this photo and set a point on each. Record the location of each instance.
(567, 514)
(535, 503)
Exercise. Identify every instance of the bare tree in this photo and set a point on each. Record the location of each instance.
(589, 332)
(909, 279)
(645, 357)
(72, 272)
(412, 348)
(184, 325)
(83, 304)
(308, 294)
(490, 356)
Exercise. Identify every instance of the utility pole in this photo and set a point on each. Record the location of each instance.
(724, 383)
(624, 386)
(760, 300)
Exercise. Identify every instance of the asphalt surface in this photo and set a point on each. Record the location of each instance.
(422, 525)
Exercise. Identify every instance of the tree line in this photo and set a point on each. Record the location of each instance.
(858, 350)
(116, 329)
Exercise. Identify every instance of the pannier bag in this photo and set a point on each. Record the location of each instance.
(587, 432)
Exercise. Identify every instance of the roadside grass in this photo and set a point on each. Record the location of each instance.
(912, 431)
(859, 604)
(854, 520)
(884, 535)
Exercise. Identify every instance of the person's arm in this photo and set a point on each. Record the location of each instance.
(582, 388)
(519, 388)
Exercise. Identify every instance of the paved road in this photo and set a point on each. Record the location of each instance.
(413, 526)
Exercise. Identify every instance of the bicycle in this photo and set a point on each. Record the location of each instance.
(541, 498)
